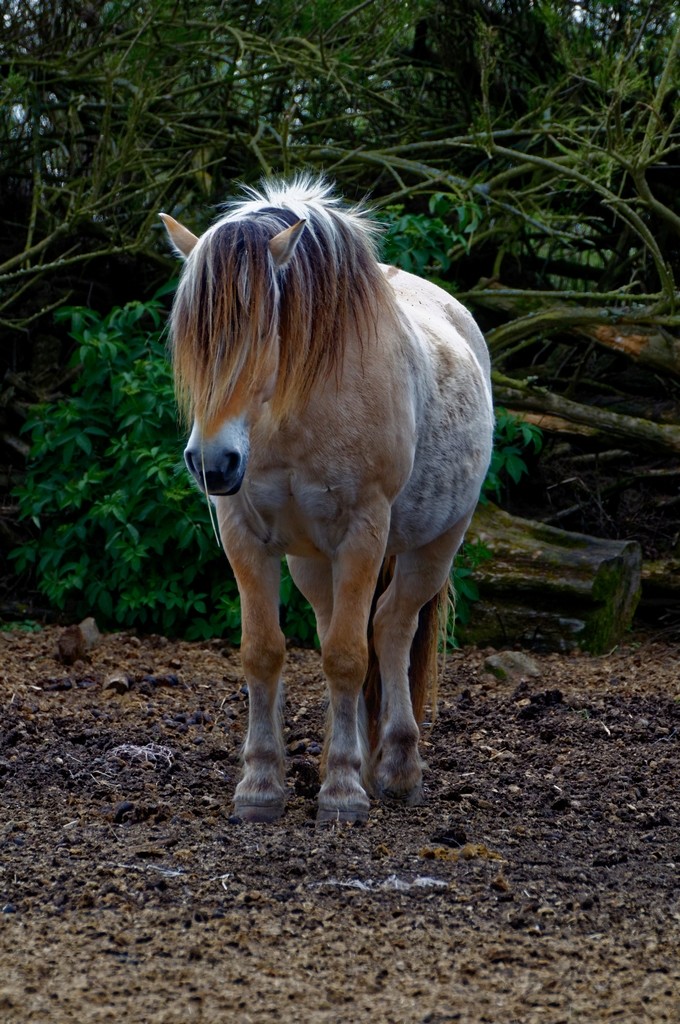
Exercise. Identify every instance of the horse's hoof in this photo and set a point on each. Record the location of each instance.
(258, 812)
(403, 783)
(341, 815)
(401, 791)
(411, 797)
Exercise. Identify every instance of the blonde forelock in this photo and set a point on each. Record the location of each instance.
(232, 305)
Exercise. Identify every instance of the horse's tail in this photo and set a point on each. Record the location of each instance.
(423, 670)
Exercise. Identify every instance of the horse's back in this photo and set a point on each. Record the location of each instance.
(437, 313)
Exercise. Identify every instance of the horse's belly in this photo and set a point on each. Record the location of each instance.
(415, 523)
(444, 485)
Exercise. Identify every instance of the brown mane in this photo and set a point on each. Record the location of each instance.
(233, 304)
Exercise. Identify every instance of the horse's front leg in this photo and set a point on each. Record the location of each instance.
(260, 795)
(345, 659)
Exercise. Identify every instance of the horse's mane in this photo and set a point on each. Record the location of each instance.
(233, 304)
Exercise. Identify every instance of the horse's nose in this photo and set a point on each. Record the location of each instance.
(219, 473)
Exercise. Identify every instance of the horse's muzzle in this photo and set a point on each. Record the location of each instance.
(222, 474)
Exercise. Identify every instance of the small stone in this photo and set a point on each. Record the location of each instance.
(90, 633)
(71, 645)
(118, 682)
(512, 664)
(298, 746)
(53, 685)
(76, 641)
(123, 811)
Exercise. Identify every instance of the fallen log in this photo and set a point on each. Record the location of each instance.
(661, 588)
(636, 332)
(630, 431)
(549, 589)
(651, 346)
(554, 424)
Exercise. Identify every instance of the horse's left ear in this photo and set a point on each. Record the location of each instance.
(181, 237)
(282, 246)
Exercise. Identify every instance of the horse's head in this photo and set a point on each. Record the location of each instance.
(225, 341)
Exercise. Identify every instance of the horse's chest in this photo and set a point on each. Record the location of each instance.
(298, 516)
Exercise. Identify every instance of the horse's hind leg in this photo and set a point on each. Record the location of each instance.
(418, 578)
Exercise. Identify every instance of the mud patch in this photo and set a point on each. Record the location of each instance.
(538, 882)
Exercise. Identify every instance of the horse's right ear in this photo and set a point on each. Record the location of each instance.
(282, 246)
(181, 237)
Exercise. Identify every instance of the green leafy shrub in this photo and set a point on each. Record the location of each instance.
(121, 532)
(470, 556)
(419, 242)
(514, 442)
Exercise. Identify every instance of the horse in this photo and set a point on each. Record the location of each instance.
(341, 416)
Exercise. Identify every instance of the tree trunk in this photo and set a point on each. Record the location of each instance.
(549, 589)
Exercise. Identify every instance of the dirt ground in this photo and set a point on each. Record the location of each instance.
(539, 882)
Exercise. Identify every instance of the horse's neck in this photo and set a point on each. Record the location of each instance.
(370, 396)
